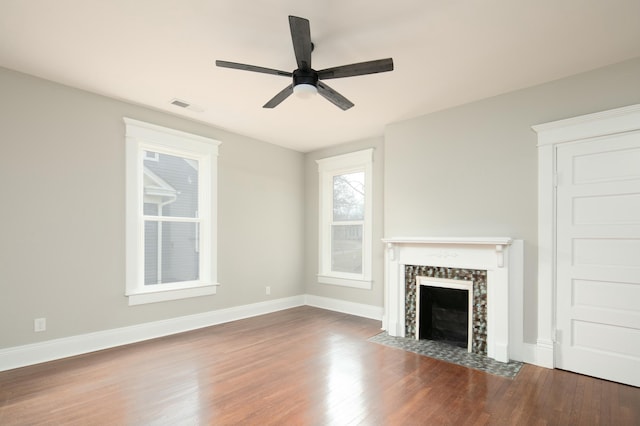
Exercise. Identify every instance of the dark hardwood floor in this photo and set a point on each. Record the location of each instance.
(302, 366)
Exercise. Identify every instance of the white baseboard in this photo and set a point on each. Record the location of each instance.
(50, 350)
(500, 352)
(545, 353)
(540, 354)
(529, 353)
(35, 353)
(352, 308)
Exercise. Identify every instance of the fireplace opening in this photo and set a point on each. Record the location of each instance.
(444, 312)
(444, 316)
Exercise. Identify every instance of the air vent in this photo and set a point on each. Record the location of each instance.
(186, 105)
(180, 103)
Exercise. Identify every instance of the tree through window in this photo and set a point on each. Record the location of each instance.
(345, 219)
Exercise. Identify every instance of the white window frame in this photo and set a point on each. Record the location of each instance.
(141, 137)
(328, 168)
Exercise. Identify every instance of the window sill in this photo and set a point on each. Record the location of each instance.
(345, 282)
(165, 295)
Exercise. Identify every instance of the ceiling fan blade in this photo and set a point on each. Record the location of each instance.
(277, 99)
(361, 68)
(301, 37)
(254, 68)
(334, 97)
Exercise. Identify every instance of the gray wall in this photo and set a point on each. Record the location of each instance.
(62, 217)
(374, 296)
(466, 171)
(472, 170)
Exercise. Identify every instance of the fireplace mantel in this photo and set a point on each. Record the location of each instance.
(499, 242)
(449, 240)
(501, 257)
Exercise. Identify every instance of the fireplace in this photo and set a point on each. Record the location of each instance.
(492, 270)
(444, 311)
(473, 279)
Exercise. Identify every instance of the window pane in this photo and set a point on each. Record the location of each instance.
(151, 209)
(348, 196)
(170, 252)
(346, 248)
(170, 185)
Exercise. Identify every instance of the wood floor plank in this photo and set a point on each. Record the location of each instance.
(302, 366)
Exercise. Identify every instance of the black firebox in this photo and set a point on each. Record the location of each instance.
(444, 315)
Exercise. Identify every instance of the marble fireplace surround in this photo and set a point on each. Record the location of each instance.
(501, 257)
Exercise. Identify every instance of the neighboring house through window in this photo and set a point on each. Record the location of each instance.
(345, 219)
(171, 200)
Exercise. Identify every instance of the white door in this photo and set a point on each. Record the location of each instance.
(598, 257)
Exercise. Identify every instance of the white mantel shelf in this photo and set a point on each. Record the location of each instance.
(449, 240)
(501, 257)
(498, 244)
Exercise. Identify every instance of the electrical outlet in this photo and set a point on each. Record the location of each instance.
(39, 324)
(267, 290)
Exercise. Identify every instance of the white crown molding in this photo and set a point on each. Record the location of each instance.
(588, 126)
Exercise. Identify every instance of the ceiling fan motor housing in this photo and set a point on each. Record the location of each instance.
(302, 76)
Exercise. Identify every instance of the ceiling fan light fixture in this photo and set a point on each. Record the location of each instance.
(305, 91)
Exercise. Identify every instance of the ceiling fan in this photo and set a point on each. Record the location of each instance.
(306, 80)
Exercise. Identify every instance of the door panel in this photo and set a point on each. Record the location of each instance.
(609, 166)
(598, 257)
(606, 339)
(607, 210)
(592, 293)
(605, 252)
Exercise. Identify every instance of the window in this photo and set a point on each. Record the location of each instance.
(171, 200)
(345, 219)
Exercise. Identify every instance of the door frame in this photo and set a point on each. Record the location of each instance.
(550, 136)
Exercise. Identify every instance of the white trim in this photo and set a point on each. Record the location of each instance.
(161, 296)
(141, 137)
(550, 136)
(602, 123)
(449, 240)
(351, 308)
(20, 356)
(546, 247)
(499, 242)
(148, 131)
(328, 168)
(345, 161)
(540, 354)
(545, 354)
(529, 353)
(516, 300)
(345, 282)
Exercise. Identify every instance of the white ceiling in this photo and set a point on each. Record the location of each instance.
(446, 53)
